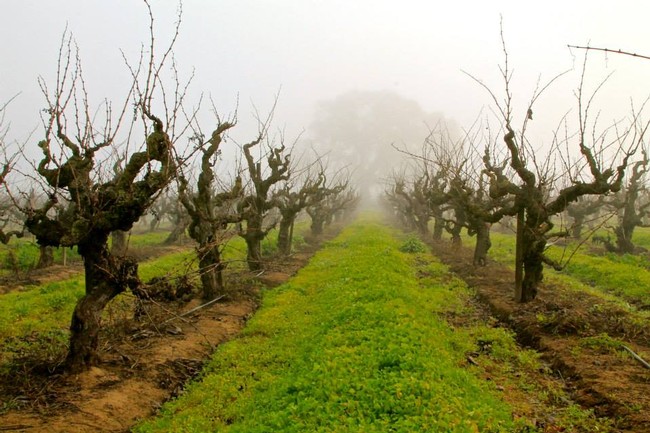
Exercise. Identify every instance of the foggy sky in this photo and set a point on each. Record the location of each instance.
(315, 50)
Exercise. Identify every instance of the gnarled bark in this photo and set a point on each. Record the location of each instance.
(106, 277)
(631, 208)
(531, 196)
(180, 221)
(255, 206)
(291, 202)
(118, 242)
(285, 231)
(45, 257)
(96, 210)
(210, 214)
(483, 244)
(331, 201)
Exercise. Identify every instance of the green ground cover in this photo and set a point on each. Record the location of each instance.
(626, 276)
(641, 237)
(356, 341)
(21, 255)
(37, 318)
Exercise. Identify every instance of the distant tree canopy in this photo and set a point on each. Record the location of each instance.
(357, 130)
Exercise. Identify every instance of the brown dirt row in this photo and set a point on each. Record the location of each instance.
(601, 378)
(143, 365)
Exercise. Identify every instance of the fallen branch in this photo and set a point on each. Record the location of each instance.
(637, 357)
(194, 309)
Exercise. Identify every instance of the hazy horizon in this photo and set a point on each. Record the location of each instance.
(311, 51)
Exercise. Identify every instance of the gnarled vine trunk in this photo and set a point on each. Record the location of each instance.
(254, 235)
(533, 259)
(624, 234)
(456, 240)
(578, 224)
(211, 268)
(284, 236)
(438, 227)
(483, 244)
(254, 253)
(106, 277)
(118, 242)
(45, 257)
(178, 231)
(317, 223)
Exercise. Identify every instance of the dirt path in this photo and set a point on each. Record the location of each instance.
(135, 375)
(556, 323)
(148, 365)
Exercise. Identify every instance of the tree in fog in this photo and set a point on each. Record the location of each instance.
(297, 194)
(168, 208)
(178, 217)
(473, 207)
(357, 130)
(211, 209)
(450, 184)
(336, 198)
(583, 210)
(410, 197)
(11, 224)
(534, 187)
(263, 173)
(632, 205)
(422, 196)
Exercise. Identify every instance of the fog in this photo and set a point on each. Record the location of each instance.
(245, 52)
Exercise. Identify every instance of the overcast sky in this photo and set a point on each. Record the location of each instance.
(315, 50)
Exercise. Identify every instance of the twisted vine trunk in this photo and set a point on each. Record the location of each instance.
(254, 253)
(253, 237)
(438, 227)
(317, 222)
(456, 240)
(284, 236)
(624, 234)
(578, 224)
(483, 244)
(177, 231)
(106, 277)
(422, 225)
(211, 268)
(533, 262)
(45, 257)
(118, 242)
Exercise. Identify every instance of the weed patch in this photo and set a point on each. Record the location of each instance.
(413, 245)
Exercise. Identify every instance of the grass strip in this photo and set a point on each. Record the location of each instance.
(350, 344)
(37, 317)
(626, 276)
(45, 308)
(21, 255)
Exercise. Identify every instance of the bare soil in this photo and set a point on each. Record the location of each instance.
(604, 379)
(144, 363)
